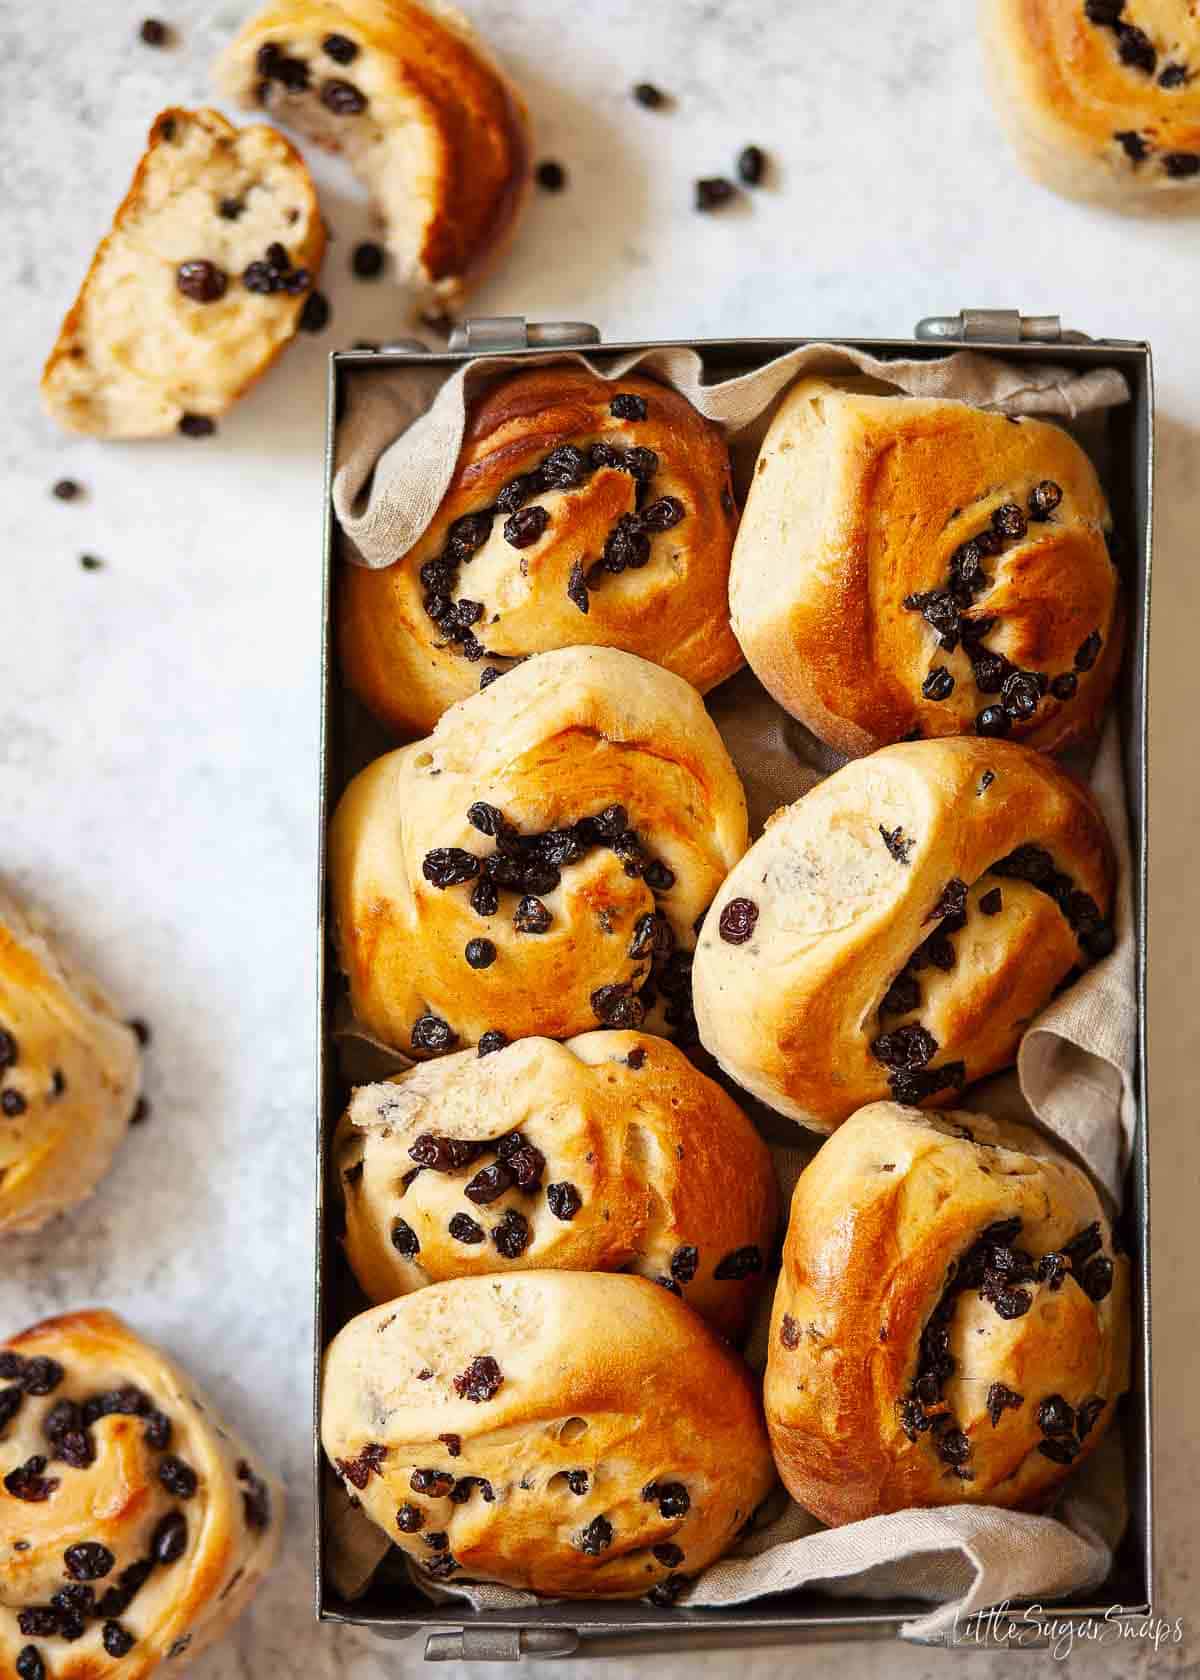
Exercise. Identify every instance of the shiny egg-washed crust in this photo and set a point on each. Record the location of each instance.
(859, 500)
(674, 610)
(601, 1374)
(134, 355)
(442, 145)
(660, 1159)
(74, 1065)
(1063, 95)
(561, 737)
(118, 1501)
(791, 1013)
(878, 1219)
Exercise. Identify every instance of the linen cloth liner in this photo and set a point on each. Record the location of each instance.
(396, 448)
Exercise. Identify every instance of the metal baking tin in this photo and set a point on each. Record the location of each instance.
(562, 1628)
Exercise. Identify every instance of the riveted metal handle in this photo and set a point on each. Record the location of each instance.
(996, 326)
(500, 1644)
(514, 332)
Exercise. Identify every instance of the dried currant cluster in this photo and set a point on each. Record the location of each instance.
(204, 282)
(564, 468)
(13, 1102)
(67, 1426)
(275, 64)
(948, 613)
(1137, 50)
(518, 1165)
(908, 1050)
(996, 1269)
(531, 865)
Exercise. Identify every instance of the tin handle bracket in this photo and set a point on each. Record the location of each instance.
(996, 326)
(500, 1644)
(514, 332)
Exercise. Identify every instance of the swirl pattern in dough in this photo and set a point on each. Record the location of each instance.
(607, 1153)
(915, 567)
(537, 866)
(895, 931)
(581, 511)
(70, 1073)
(952, 1320)
(134, 1528)
(1101, 98)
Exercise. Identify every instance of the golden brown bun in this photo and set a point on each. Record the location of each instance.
(861, 501)
(441, 143)
(136, 355)
(149, 1472)
(639, 1163)
(564, 736)
(70, 1072)
(878, 879)
(673, 609)
(882, 1274)
(1105, 112)
(608, 1376)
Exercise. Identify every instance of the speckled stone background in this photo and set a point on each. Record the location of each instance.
(158, 718)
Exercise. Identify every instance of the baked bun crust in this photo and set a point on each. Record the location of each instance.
(942, 1267)
(655, 543)
(421, 112)
(70, 1072)
(133, 1527)
(863, 503)
(614, 1154)
(136, 353)
(580, 733)
(1101, 101)
(899, 927)
(594, 1419)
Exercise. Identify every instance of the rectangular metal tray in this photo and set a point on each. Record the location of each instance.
(558, 1629)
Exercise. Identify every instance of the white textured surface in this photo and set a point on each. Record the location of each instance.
(158, 718)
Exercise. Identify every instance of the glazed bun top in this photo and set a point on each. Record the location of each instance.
(952, 1320)
(896, 930)
(537, 866)
(70, 1073)
(582, 511)
(915, 566)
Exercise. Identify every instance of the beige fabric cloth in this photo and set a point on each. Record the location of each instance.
(396, 448)
(399, 435)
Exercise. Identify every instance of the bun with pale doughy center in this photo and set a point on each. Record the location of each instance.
(165, 333)
(1100, 99)
(578, 1434)
(897, 929)
(413, 100)
(134, 1527)
(913, 565)
(70, 1073)
(537, 866)
(607, 1153)
(618, 494)
(952, 1320)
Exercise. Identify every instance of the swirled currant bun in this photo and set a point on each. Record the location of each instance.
(134, 1528)
(896, 930)
(491, 1431)
(982, 1358)
(70, 1073)
(203, 280)
(908, 565)
(413, 100)
(582, 511)
(607, 1153)
(1100, 98)
(537, 866)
